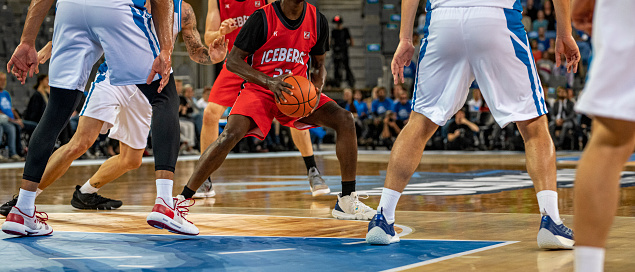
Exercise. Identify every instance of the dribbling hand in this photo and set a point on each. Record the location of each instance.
(161, 66)
(23, 63)
(403, 56)
(277, 86)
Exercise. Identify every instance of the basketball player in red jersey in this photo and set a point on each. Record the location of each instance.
(281, 39)
(227, 17)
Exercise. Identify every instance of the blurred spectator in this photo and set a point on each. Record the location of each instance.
(381, 104)
(571, 95)
(38, 101)
(201, 103)
(10, 121)
(390, 130)
(340, 41)
(347, 102)
(526, 21)
(461, 132)
(474, 105)
(535, 51)
(563, 118)
(543, 42)
(531, 10)
(188, 129)
(540, 22)
(550, 16)
(402, 109)
(360, 105)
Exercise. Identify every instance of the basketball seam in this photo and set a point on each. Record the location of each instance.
(301, 95)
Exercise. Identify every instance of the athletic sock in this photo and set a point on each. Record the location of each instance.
(187, 192)
(164, 189)
(589, 258)
(26, 202)
(348, 187)
(309, 161)
(38, 192)
(548, 204)
(87, 188)
(388, 203)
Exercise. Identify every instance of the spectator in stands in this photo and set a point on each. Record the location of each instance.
(461, 132)
(9, 121)
(360, 105)
(563, 118)
(402, 108)
(526, 21)
(571, 95)
(187, 111)
(543, 42)
(531, 10)
(390, 129)
(549, 15)
(381, 104)
(474, 105)
(361, 120)
(38, 101)
(535, 51)
(201, 103)
(340, 41)
(540, 22)
(347, 102)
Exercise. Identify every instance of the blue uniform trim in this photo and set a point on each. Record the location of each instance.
(422, 52)
(139, 3)
(178, 7)
(101, 76)
(518, 6)
(138, 20)
(154, 37)
(515, 25)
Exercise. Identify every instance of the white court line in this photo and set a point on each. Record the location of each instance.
(255, 251)
(414, 265)
(97, 257)
(355, 243)
(136, 266)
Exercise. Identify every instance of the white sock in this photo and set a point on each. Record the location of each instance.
(38, 192)
(164, 189)
(548, 204)
(87, 188)
(589, 259)
(388, 204)
(26, 202)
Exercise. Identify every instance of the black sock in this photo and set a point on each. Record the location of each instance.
(187, 192)
(309, 161)
(348, 187)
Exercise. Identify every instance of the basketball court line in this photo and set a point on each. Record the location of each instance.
(256, 251)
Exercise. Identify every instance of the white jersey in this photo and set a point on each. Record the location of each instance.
(506, 4)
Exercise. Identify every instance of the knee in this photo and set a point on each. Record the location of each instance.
(131, 163)
(345, 121)
(229, 137)
(212, 113)
(79, 146)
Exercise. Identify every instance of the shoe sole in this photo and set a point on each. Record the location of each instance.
(78, 205)
(160, 221)
(204, 195)
(13, 228)
(377, 236)
(345, 216)
(320, 192)
(548, 240)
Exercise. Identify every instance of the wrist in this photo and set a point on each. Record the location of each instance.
(405, 40)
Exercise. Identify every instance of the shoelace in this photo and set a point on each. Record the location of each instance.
(41, 217)
(361, 204)
(183, 209)
(98, 198)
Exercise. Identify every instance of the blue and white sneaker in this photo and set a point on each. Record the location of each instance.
(380, 232)
(350, 208)
(553, 236)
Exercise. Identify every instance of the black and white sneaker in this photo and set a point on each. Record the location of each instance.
(5, 209)
(93, 201)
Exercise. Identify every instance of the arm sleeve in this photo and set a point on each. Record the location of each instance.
(252, 35)
(322, 44)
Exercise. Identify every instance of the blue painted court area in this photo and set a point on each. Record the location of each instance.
(79, 251)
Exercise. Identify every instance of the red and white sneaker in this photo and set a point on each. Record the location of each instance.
(21, 224)
(163, 216)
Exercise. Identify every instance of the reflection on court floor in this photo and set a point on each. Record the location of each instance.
(112, 251)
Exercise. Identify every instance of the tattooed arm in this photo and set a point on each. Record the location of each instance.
(199, 53)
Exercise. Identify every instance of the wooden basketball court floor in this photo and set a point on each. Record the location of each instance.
(462, 211)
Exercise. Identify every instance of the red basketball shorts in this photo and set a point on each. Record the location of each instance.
(226, 88)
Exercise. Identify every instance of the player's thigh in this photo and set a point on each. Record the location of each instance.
(504, 66)
(75, 51)
(130, 44)
(610, 88)
(444, 74)
(102, 102)
(132, 125)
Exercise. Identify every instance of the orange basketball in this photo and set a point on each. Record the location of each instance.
(303, 100)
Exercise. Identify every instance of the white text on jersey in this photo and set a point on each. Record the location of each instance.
(283, 54)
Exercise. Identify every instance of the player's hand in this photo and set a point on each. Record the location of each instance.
(565, 45)
(582, 15)
(227, 26)
(401, 59)
(277, 86)
(23, 62)
(45, 53)
(161, 66)
(218, 49)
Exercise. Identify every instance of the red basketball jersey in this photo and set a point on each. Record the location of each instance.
(239, 10)
(286, 50)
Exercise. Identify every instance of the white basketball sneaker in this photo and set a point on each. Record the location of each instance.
(19, 223)
(206, 190)
(350, 208)
(163, 216)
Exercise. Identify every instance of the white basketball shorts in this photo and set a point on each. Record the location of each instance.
(124, 110)
(610, 89)
(483, 43)
(86, 29)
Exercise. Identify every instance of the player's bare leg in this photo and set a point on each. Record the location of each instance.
(302, 140)
(333, 116)
(541, 165)
(209, 133)
(597, 185)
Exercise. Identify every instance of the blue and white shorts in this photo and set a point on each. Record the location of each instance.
(86, 29)
(484, 43)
